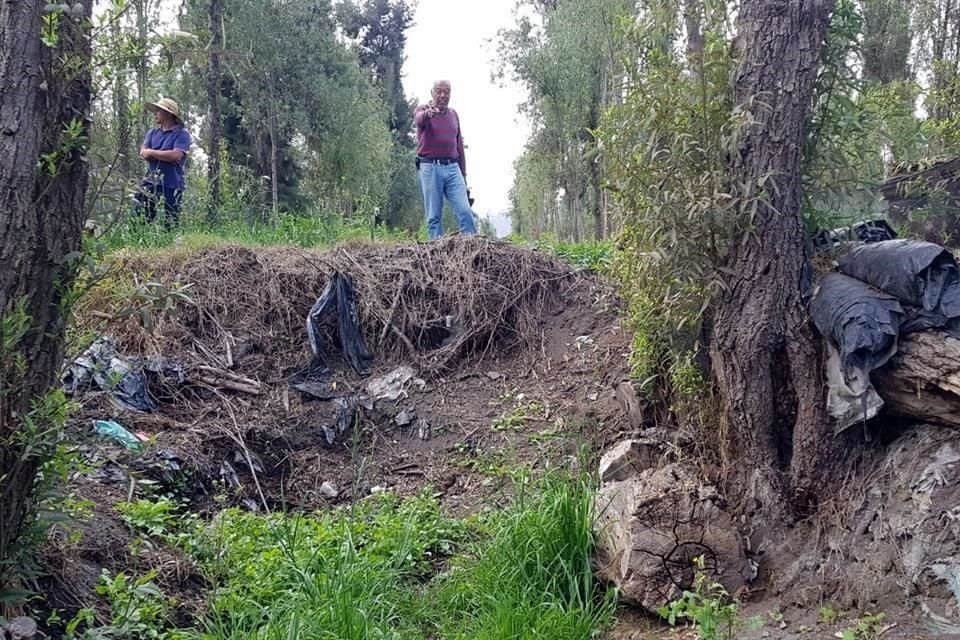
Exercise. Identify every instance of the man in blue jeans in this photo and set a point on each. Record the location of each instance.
(441, 165)
(164, 149)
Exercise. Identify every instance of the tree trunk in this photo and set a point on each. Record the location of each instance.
(764, 357)
(142, 7)
(922, 380)
(121, 111)
(43, 91)
(693, 22)
(944, 65)
(213, 93)
(274, 193)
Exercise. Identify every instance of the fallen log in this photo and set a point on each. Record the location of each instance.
(923, 379)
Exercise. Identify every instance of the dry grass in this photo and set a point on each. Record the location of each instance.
(428, 304)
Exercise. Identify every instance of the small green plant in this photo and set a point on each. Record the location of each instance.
(138, 609)
(519, 416)
(155, 518)
(827, 615)
(869, 627)
(594, 256)
(708, 607)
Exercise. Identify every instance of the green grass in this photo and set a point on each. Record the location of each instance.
(531, 576)
(302, 230)
(390, 569)
(592, 255)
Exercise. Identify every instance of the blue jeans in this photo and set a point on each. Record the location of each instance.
(150, 196)
(437, 181)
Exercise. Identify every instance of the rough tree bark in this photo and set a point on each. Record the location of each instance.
(142, 8)
(121, 111)
(764, 357)
(42, 90)
(213, 93)
(693, 23)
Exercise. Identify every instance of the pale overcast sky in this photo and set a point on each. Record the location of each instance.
(455, 40)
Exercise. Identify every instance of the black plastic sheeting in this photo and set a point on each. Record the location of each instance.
(861, 321)
(884, 290)
(127, 380)
(337, 301)
(918, 273)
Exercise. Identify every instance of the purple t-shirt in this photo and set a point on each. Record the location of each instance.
(170, 172)
(439, 136)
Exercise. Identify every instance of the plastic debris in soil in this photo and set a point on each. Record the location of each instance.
(390, 386)
(866, 231)
(337, 302)
(117, 433)
(125, 379)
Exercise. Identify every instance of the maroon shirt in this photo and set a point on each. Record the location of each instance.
(439, 136)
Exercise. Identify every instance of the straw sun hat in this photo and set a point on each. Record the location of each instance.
(163, 104)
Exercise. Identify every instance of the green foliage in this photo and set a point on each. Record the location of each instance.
(338, 575)
(567, 56)
(595, 256)
(518, 416)
(14, 325)
(667, 145)
(302, 230)
(155, 518)
(529, 576)
(39, 441)
(869, 627)
(138, 609)
(826, 615)
(383, 568)
(708, 607)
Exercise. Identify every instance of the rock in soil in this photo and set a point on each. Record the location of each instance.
(21, 628)
(329, 490)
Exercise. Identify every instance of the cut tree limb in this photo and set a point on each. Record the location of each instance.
(221, 379)
(923, 379)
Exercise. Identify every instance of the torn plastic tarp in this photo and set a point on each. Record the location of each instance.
(100, 366)
(861, 325)
(918, 319)
(125, 379)
(918, 273)
(337, 300)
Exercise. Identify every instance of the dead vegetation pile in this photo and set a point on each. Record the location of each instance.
(429, 305)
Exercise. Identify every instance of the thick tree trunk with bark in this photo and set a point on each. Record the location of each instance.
(42, 91)
(213, 93)
(764, 356)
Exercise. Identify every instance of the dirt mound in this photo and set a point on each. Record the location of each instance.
(515, 357)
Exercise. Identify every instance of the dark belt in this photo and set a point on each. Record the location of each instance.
(437, 160)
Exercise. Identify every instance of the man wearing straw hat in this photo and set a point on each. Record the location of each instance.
(164, 149)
